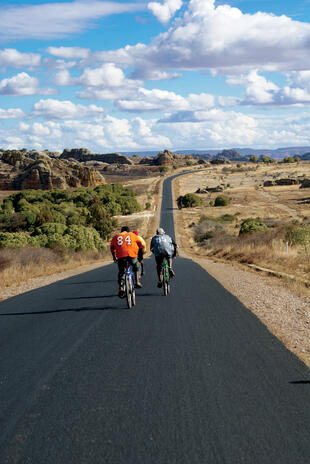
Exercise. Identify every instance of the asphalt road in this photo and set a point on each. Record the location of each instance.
(192, 378)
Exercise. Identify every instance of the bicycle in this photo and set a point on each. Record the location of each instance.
(165, 276)
(130, 286)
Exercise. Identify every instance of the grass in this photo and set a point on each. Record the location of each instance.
(19, 265)
(267, 249)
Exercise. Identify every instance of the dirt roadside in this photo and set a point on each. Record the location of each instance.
(282, 311)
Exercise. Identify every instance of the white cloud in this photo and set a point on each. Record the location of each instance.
(197, 130)
(105, 83)
(55, 20)
(165, 11)
(258, 89)
(69, 52)
(52, 63)
(163, 100)
(11, 113)
(300, 79)
(56, 109)
(22, 84)
(108, 75)
(222, 39)
(155, 75)
(9, 57)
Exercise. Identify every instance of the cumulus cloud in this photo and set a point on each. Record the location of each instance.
(22, 84)
(54, 20)
(260, 91)
(155, 75)
(108, 135)
(9, 57)
(166, 10)
(222, 39)
(56, 109)
(162, 100)
(212, 128)
(69, 52)
(105, 83)
(11, 113)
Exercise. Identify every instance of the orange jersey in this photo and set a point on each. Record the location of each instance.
(126, 244)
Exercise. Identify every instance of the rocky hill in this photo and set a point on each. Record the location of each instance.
(85, 155)
(33, 170)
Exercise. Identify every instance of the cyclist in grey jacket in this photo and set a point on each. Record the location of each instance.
(162, 245)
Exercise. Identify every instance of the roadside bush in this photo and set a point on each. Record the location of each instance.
(222, 200)
(13, 239)
(297, 234)
(190, 200)
(252, 225)
(223, 218)
(48, 214)
(51, 228)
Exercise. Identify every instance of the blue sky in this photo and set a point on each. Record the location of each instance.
(134, 76)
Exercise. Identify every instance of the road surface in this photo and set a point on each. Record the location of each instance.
(192, 378)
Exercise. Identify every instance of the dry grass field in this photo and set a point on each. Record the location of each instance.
(276, 206)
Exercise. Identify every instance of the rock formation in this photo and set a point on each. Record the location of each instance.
(84, 155)
(38, 171)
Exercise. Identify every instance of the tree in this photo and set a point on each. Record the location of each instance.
(254, 159)
(251, 225)
(222, 200)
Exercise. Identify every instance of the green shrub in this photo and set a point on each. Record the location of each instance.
(13, 239)
(252, 225)
(222, 200)
(190, 200)
(147, 205)
(46, 215)
(163, 169)
(51, 228)
(227, 218)
(289, 159)
(297, 234)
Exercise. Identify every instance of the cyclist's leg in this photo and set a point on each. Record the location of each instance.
(171, 271)
(136, 269)
(121, 275)
(159, 260)
(140, 259)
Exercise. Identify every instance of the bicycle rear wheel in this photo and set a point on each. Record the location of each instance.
(166, 279)
(128, 291)
(133, 297)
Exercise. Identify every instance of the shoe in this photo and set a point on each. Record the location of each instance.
(171, 272)
(121, 293)
(138, 285)
(159, 284)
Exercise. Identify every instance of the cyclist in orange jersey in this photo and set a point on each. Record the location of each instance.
(125, 247)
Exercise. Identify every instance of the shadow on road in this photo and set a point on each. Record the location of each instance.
(87, 297)
(300, 382)
(89, 283)
(84, 308)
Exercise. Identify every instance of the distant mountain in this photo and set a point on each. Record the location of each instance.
(278, 153)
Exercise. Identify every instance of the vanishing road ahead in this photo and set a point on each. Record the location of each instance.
(193, 378)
